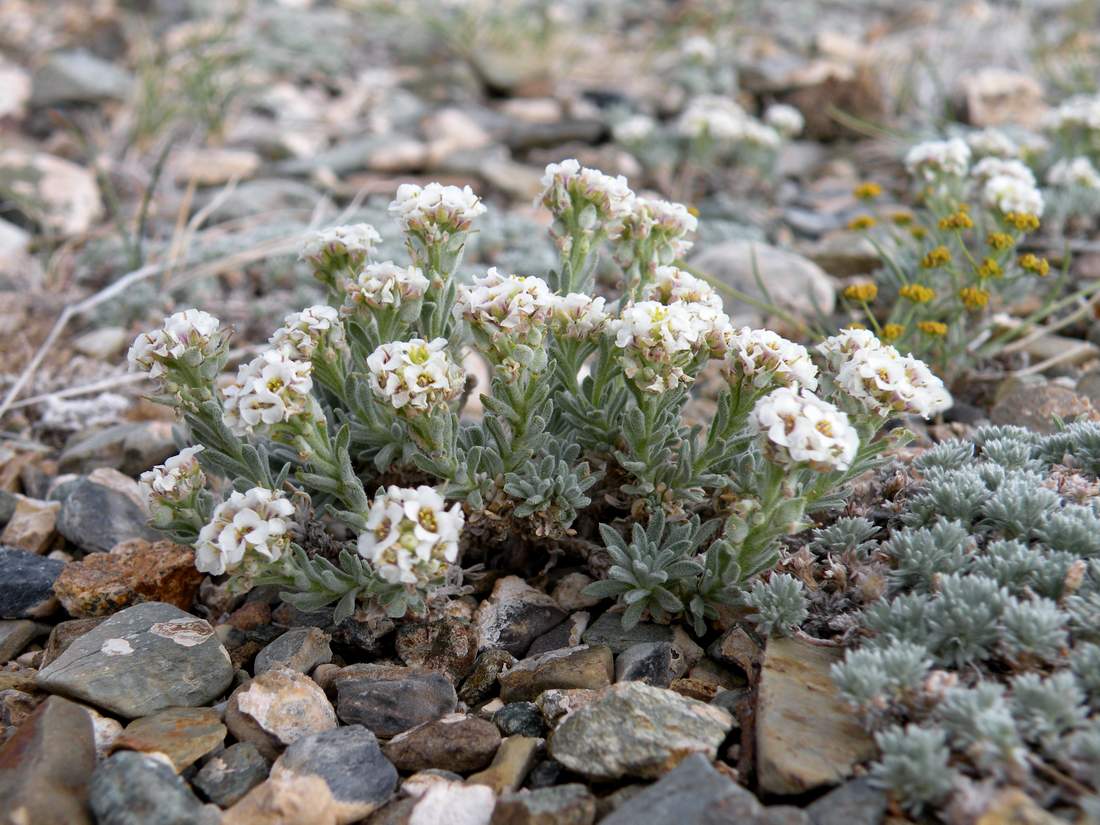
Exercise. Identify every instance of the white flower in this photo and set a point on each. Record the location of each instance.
(411, 536)
(1007, 193)
(270, 389)
(174, 482)
(385, 285)
(786, 120)
(634, 129)
(797, 427)
(1077, 112)
(435, 211)
(512, 307)
(886, 382)
(1077, 171)
(699, 48)
(765, 357)
(665, 222)
(351, 244)
(415, 376)
(304, 332)
(658, 341)
(248, 530)
(992, 143)
(988, 168)
(933, 158)
(840, 347)
(714, 117)
(672, 285)
(569, 187)
(578, 316)
(190, 336)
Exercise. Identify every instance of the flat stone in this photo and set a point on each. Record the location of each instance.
(134, 571)
(566, 634)
(291, 800)
(1036, 403)
(78, 76)
(806, 736)
(26, 584)
(184, 735)
(63, 635)
(14, 636)
(96, 518)
(856, 802)
(555, 705)
(300, 649)
(278, 708)
(577, 667)
(112, 479)
(513, 761)
(608, 630)
(482, 681)
(391, 700)
(569, 592)
(103, 343)
(142, 660)
(995, 96)
(32, 526)
(736, 647)
(443, 801)
(213, 166)
(845, 253)
(46, 765)
(520, 719)
(448, 645)
(654, 663)
(637, 730)
(131, 448)
(1013, 806)
(561, 805)
(515, 615)
(228, 776)
(456, 742)
(131, 788)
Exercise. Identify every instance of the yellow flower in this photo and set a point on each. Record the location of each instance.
(861, 222)
(936, 257)
(990, 269)
(1033, 263)
(902, 218)
(892, 332)
(1022, 221)
(694, 212)
(935, 328)
(917, 293)
(958, 220)
(1000, 240)
(856, 325)
(864, 293)
(867, 191)
(918, 232)
(973, 298)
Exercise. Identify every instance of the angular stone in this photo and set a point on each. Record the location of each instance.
(96, 518)
(569, 592)
(520, 719)
(736, 647)
(561, 805)
(291, 800)
(135, 571)
(184, 735)
(655, 663)
(856, 802)
(79, 76)
(637, 730)
(448, 645)
(26, 584)
(456, 742)
(142, 660)
(33, 525)
(390, 700)
(277, 708)
(443, 801)
(45, 766)
(16, 706)
(577, 667)
(14, 636)
(63, 635)
(213, 166)
(482, 681)
(1036, 403)
(228, 776)
(555, 705)
(806, 736)
(566, 634)
(1012, 806)
(608, 630)
(515, 615)
(995, 96)
(300, 649)
(513, 761)
(131, 448)
(112, 479)
(131, 788)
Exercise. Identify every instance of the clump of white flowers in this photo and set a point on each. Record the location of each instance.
(765, 358)
(786, 120)
(435, 212)
(337, 252)
(411, 537)
(634, 129)
(271, 389)
(797, 427)
(672, 285)
(186, 340)
(658, 343)
(655, 231)
(249, 531)
(577, 316)
(303, 334)
(992, 142)
(1070, 172)
(933, 158)
(1009, 194)
(384, 284)
(1077, 112)
(172, 489)
(415, 377)
(582, 200)
(505, 310)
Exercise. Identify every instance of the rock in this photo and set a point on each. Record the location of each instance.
(365, 632)
(512, 763)
(15, 90)
(448, 645)
(130, 448)
(800, 159)
(26, 584)
(104, 343)
(1034, 402)
(515, 615)
(655, 663)
(566, 634)
(14, 636)
(134, 789)
(856, 802)
(45, 766)
(569, 592)
(794, 283)
(184, 735)
(706, 680)
(265, 195)
(351, 764)
(845, 253)
(555, 705)
(135, 571)
(228, 776)
(576, 667)
(546, 774)
(456, 742)
(292, 800)
(142, 660)
(806, 736)
(441, 802)
(213, 166)
(277, 708)
(63, 635)
(106, 731)
(482, 681)
(520, 719)
(300, 649)
(821, 86)
(32, 526)
(524, 136)
(736, 647)
(994, 96)
(561, 805)
(378, 153)
(637, 730)
(56, 194)
(96, 518)
(112, 479)
(608, 630)
(1012, 806)
(452, 130)
(79, 77)
(391, 700)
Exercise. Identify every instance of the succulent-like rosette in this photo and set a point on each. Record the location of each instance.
(505, 310)
(786, 120)
(657, 343)
(173, 485)
(415, 377)
(384, 285)
(435, 213)
(886, 382)
(314, 329)
(577, 316)
(932, 159)
(176, 352)
(798, 428)
(764, 357)
(671, 285)
(247, 532)
(270, 390)
(340, 249)
(411, 536)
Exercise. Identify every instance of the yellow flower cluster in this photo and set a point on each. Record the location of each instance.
(861, 222)
(1033, 263)
(959, 220)
(917, 293)
(935, 328)
(867, 191)
(937, 256)
(865, 292)
(1022, 221)
(892, 332)
(973, 298)
(902, 218)
(1000, 240)
(989, 268)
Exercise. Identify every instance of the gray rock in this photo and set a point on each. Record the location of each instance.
(141, 660)
(482, 681)
(608, 630)
(655, 663)
(130, 788)
(520, 719)
(566, 634)
(264, 195)
(231, 774)
(14, 636)
(79, 77)
(515, 615)
(561, 805)
(96, 518)
(856, 802)
(583, 666)
(637, 730)
(130, 448)
(391, 700)
(1036, 403)
(448, 645)
(300, 649)
(26, 584)
(8, 503)
(456, 742)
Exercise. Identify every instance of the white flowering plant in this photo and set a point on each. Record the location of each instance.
(585, 419)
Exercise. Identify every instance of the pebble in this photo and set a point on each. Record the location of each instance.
(277, 708)
(290, 801)
(513, 761)
(58, 194)
(576, 667)
(130, 788)
(1037, 404)
(736, 647)
(229, 775)
(449, 802)
(608, 630)
(569, 592)
(32, 526)
(26, 584)
(300, 649)
(448, 645)
(456, 742)
(131, 448)
(561, 805)
(482, 681)
(14, 636)
(655, 663)
(566, 634)
(184, 735)
(78, 76)
(515, 615)
(856, 802)
(63, 635)
(520, 719)
(95, 518)
(390, 700)
(555, 705)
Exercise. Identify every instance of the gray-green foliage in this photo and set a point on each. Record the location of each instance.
(779, 604)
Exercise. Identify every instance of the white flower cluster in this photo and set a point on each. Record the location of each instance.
(577, 316)
(350, 245)
(933, 158)
(303, 333)
(1077, 112)
(992, 143)
(173, 483)
(658, 341)
(411, 536)
(881, 378)
(1008, 186)
(248, 530)
(672, 285)
(699, 48)
(188, 337)
(665, 223)
(567, 186)
(415, 377)
(797, 427)
(1079, 172)
(435, 211)
(273, 388)
(720, 119)
(634, 129)
(766, 357)
(786, 120)
(384, 284)
(511, 308)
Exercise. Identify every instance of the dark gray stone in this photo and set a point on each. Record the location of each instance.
(520, 719)
(856, 802)
(231, 774)
(482, 681)
(608, 630)
(7, 506)
(456, 743)
(390, 700)
(515, 615)
(130, 788)
(566, 634)
(79, 77)
(96, 518)
(14, 636)
(655, 663)
(141, 660)
(300, 649)
(26, 584)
